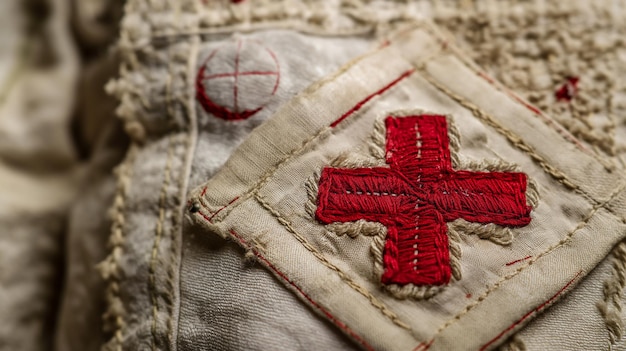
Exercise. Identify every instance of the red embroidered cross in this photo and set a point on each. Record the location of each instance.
(416, 196)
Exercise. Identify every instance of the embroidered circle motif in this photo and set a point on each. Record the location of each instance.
(237, 79)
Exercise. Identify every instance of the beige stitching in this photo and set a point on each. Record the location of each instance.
(157, 242)
(611, 306)
(189, 144)
(356, 287)
(528, 263)
(109, 268)
(514, 139)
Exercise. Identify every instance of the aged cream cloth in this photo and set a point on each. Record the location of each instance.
(219, 300)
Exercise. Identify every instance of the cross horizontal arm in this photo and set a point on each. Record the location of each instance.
(495, 197)
(374, 194)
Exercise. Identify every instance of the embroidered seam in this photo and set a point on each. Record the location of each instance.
(527, 264)
(110, 268)
(534, 311)
(355, 286)
(354, 111)
(154, 255)
(177, 225)
(324, 311)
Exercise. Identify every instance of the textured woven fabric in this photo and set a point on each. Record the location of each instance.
(203, 233)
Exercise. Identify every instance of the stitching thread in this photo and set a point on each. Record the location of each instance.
(356, 287)
(109, 268)
(549, 250)
(368, 98)
(302, 293)
(613, 288)
(176, 233)
(517, 261)
(319, 134)
(154, 256)
(430, 193)
(534, 311)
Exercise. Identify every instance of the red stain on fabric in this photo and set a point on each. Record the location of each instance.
(416, 196)
(568, 90)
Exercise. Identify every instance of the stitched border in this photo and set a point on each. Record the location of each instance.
(356, 287)
(321, 133)
(528, 263)
(109, 268)
(177, 227)
(512, 137)
(327, 313)
(154, 255)
(581, 224)
(611, 306)
(534, 311)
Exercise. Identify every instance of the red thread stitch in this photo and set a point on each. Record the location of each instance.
(222, 208)
(224, 112)
(364, 101)
(537, 309)
(416, 196)
(314, 303)
(518, 261)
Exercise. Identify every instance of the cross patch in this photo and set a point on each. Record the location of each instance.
(416, 196)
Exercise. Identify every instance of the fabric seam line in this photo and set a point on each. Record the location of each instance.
(307, 245)
(528, 263)
(154, 255)
(521, 145)
(190, 144)
(282, 275)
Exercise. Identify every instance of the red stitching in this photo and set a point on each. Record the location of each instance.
(314, 303)
(248, 73)
(235, 90)
(424, 346)
(416, 196)
(277, 69)
(539, 308)
(518, 261)
(223, 207)
(364, 101)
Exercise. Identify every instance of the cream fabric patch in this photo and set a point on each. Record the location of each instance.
(259, 199)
